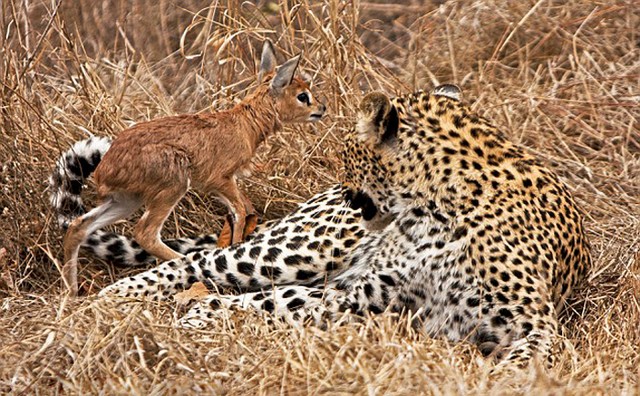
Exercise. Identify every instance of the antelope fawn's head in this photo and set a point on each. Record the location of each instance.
(294, 101)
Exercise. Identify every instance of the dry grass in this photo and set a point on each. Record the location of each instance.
(563, 78)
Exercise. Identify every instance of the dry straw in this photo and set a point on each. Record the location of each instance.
(562, 78)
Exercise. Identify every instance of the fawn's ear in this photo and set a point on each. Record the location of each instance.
(267, 59)
(451, 91)
(377, 119)
(285, 73)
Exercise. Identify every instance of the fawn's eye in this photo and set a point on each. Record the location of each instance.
(303, 97)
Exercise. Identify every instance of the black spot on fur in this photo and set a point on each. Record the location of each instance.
(375, 309)
(387, 279)
(70, 207)
(355, 200)
(80, 166)
(438, 216)
(331, 266)
(214, 304)
(268, 306)
(295, 259)
(502, 298)
(221, 263)
(473, 302)
(505, 313)
(368, 290)
(142, 256)
(232, 280)
(272, 254)
(276, 241)
(349, 243)
(116, 248)
(320, 231)
(295, 303)
(498, 321)
(255, 252)
(270, 272)
(238, 253)
(206, 240)
(246, 268)
(305, 275)
(289, 293)
(505, 276)
(75, 186)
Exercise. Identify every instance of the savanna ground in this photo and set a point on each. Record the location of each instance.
(561, 78)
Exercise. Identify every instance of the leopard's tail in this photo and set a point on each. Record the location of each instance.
(70, 174)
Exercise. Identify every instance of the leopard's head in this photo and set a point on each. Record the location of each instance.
(384, 155)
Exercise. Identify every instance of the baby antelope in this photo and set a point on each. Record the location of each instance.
(154, 163)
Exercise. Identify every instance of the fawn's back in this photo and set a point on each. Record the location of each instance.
(205, 148)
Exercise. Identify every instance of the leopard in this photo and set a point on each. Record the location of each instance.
(437, 214)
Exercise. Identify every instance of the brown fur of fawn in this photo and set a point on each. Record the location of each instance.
(154, 163)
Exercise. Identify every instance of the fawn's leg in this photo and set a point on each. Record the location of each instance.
(147, 230)
(115, 207)
(235, 202)
(224, 238)
(251, 219)
(251, 222)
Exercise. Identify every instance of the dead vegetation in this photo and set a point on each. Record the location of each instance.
(562, 78)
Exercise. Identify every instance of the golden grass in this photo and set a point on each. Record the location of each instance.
(562, 78)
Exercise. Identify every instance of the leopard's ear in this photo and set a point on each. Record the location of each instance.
(451, 91)
(377, 119)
